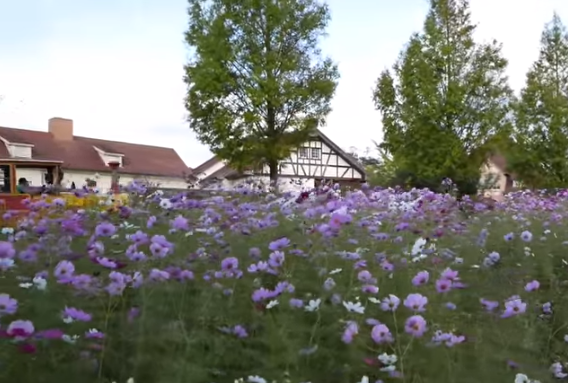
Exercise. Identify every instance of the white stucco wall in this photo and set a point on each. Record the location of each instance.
(492, 175)
(35, 177)
(284, 184)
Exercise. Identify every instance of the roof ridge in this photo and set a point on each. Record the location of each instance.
(124, 142)
(90, 138)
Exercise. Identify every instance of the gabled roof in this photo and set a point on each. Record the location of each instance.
(342, 153)
(226, 172)
(80, 153)
(500, 161)
(210, 162)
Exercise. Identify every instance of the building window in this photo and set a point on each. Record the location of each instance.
(303, 153)
(316, 153)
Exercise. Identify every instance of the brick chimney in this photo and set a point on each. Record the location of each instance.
(61, 128)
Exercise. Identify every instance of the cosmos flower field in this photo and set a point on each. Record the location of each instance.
(363, 286)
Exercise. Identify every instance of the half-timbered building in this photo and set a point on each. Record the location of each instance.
(317, 160)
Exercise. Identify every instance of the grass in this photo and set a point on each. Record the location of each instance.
(182, 328)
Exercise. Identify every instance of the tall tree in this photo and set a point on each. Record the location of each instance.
(258, 85)
(542, 114)
(443, 99)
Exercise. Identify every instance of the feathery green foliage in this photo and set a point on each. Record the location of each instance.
(541, 115)
(443, 98)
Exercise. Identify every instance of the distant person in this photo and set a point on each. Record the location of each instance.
(73, 187)
(22, 187)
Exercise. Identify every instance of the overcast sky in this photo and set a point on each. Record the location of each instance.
(115, 66)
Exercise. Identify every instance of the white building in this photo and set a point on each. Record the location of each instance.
(496, 181)
(33, 155)
(318, 160)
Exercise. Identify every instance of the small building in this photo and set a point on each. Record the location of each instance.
(496, 181)
(316, 161)
(83, 158)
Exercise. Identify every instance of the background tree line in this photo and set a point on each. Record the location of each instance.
(258, 86)
(446, 107)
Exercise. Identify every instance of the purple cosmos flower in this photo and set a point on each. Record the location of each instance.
(240, 331)
(230, 263)
(53, 333)
(276, 259)
(71, 314)
(450, 306)
(489, 305)
(329, 284)
(365, 276)
(179, 223)
(381, 334)
(8, 305)
(421, 278)
(105, 229)
(151, 221)
(158, 275)
(296, 303)
(94, 334)
(532, 286)
(349, 333)
(7, 250)
(450, 275)
(105, 262)
(370, 289)
(416, 302)
(415, 326)
(279, 244)
(443, 285)
(64, 271)
(390, 303)
(526, 236)
(514, 306)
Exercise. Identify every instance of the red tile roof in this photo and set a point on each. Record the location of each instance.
(79, 153)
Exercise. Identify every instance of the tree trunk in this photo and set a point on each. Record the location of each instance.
(273, 171)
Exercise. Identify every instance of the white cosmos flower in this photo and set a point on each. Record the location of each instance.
(7, 230)
(40, 283)
(271, 304)
(313, 305)
(255, 379)
(388, 359)
(522, 378)
(165, 203)
(6, 263)
(356, 307)
(71, 339)
(418, 247)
